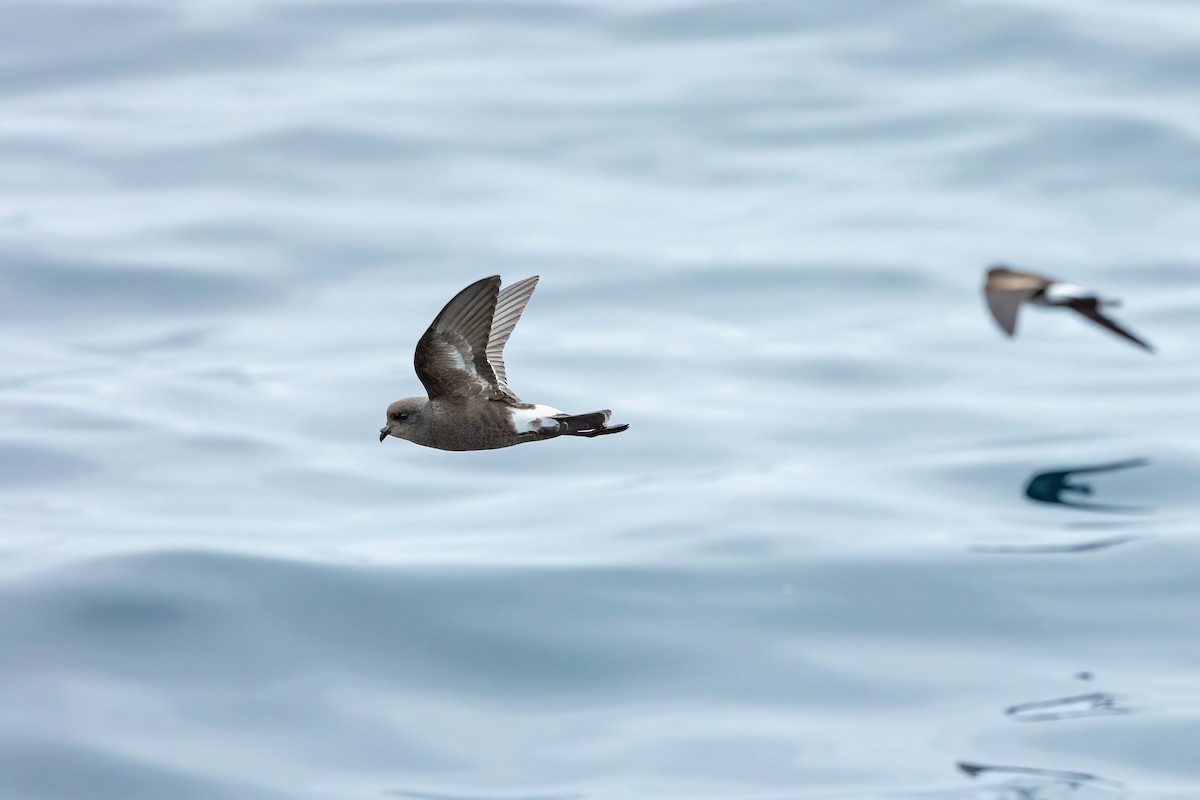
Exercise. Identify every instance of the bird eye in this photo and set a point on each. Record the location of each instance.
(403, 415)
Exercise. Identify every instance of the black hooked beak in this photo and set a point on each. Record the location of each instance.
(383, 434)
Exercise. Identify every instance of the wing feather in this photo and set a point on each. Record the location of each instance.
(509, 306)
(1006, 289)
(451, 358)
(1090, 308)
(1005, 279)
(1005, 305)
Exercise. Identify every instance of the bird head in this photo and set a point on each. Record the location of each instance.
(402, 416)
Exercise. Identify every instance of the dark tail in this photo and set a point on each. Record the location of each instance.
(593, 424)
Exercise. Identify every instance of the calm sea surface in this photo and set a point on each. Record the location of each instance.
(811, 568)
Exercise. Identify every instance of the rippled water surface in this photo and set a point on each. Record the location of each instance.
(820, 564)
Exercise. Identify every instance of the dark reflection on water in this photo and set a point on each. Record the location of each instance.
(1055, 549)
(1093, 704)
(1074, 780)
(1051, 486)
(760, 227)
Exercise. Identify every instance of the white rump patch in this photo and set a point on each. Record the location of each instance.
(531, 420)
(1062, 292)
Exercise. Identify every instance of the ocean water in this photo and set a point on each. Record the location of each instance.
(820, 564)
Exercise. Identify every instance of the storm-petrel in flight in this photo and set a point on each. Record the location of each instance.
(460, 362)
(1007, 289)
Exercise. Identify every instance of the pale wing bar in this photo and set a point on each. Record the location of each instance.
(1006, 289)
(452, 357)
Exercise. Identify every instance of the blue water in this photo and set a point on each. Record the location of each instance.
(810, 569)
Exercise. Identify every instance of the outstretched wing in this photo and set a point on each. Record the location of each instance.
(451, 358)
(509, 306)
(1090, 308)
(1004, 307)
(1006, 289)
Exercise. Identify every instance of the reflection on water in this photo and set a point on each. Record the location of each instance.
(1051, 486)
(1027, 789)
(1054, 549)
(758, 224)
(1094, 704)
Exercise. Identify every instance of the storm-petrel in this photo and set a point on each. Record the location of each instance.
(1007, 289)
(460, 362)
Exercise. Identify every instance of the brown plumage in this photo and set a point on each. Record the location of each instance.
(460, 361)
(1006, 290)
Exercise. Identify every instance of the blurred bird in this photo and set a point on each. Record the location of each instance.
(460, 362)
(1007, 289)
